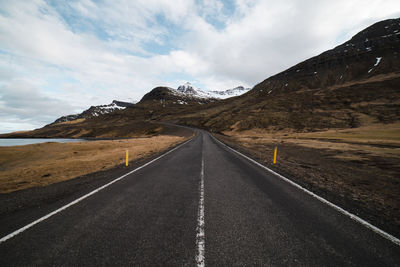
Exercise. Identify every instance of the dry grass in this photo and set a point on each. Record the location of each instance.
(376, 140)
(375, 78)
(72, 122)
(43, 164)
(379, 134)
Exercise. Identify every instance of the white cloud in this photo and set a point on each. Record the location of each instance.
(274, 35)
(80, 53)
(22, 106)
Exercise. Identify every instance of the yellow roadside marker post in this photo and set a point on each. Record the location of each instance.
(275, 152)
(127, 158)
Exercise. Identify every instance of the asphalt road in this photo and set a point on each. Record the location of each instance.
(151, 218)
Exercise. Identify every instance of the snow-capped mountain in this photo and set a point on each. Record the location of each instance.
(189, 89)
(95, 111)
(183, 96)
(229, 92)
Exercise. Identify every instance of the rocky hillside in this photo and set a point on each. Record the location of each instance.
(373, 51)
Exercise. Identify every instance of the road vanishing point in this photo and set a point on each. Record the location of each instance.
(200, 204)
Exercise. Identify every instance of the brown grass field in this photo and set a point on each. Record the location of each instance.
(35, 165)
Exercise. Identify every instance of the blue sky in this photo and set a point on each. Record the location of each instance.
(60, 57)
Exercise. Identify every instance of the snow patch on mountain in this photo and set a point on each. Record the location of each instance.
(378, 59)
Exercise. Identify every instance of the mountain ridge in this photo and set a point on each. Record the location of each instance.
(188, 93)
(95, 111)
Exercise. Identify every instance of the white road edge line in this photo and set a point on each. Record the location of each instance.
(384, 234)
(200, 236)
(3, 239)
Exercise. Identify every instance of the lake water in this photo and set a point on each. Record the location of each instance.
(28, 141)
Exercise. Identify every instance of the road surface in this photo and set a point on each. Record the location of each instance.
(201, 204)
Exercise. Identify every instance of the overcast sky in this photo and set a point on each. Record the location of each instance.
(60, 57)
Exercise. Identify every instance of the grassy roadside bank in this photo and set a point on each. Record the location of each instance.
(354, 168)
(43, 164)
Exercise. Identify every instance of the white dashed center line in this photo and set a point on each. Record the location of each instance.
(200, 236)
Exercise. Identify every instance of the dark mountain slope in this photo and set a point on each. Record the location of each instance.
(373, 51)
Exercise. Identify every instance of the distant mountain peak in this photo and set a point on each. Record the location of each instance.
(188, 88)
(187, 93)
